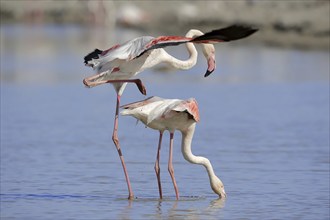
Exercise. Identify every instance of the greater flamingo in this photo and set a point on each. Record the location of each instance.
(173, 114)
(120, 63)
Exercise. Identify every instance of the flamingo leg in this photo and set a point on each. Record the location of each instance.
(90, 83)
(138, 83)
(170, 166)
(157, 167)
(116, 142)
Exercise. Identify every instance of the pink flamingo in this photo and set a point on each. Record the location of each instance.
(120, 63)
(173, 114)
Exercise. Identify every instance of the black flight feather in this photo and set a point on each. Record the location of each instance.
(230, 33)
(92, 55)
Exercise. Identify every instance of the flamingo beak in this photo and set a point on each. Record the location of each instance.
(211, 65)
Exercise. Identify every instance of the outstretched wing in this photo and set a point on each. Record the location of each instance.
(138, 46)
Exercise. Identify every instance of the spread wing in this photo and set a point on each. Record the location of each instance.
(138, 46)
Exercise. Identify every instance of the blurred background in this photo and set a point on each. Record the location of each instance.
(264, 111)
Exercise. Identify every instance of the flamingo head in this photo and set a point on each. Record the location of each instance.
(209, 53)
(218, 187)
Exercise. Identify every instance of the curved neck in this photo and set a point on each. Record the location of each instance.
(187, 136)
(191, 61)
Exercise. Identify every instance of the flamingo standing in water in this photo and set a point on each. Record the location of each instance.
(173, 114)
(120, 63)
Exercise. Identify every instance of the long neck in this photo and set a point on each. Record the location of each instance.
(191, 61)
(187, 136)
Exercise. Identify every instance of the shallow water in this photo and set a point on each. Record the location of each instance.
(264, 126)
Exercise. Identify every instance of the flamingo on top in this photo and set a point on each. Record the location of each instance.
(120, 63)
(173, 114)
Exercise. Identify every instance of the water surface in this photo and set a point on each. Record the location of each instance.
(264, 126)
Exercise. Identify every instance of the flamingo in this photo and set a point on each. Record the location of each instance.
(118, 64)
(173, 114)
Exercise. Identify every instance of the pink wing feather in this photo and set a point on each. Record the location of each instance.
(190, 106)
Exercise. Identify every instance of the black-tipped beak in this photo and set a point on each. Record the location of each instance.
(208, 72)
(211, 65)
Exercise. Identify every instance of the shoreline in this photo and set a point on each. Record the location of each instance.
(288, 24)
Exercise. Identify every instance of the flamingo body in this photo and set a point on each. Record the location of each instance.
(173, 114)
(164, 114)
(127, 60)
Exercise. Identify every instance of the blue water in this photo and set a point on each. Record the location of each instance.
(264, 126)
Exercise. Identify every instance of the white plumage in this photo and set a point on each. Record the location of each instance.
(173, 114)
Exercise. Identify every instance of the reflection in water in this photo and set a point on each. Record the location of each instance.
(217, 204)
(184, 208)
(213, 210)
(159, 212)
(126, 211)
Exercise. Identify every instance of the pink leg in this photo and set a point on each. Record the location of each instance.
(89, 83)
(170, 166)
(116, 142)
(157, 167)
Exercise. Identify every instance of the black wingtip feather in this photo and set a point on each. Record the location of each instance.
(233, 32)
(92, 55)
